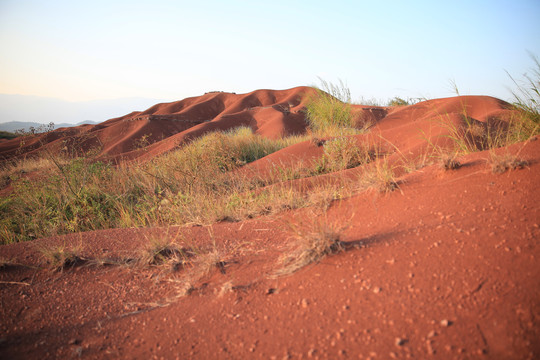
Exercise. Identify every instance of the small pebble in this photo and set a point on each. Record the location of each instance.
(446, 322)
(400, 341)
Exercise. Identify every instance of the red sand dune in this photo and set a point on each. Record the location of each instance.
(271, 113)
(405, 132)
(444, 268)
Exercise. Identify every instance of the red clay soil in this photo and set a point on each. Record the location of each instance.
(271, 113)
(445, 267)
(403, 134)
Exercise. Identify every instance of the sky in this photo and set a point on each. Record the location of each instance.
(88, 50)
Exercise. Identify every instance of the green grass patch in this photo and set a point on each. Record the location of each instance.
(329, 112)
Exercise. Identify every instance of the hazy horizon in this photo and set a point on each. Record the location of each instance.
(43, 110)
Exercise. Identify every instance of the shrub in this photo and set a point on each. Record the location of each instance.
(311, 243)
(343, 153)
(379, 177)
(504, 162)
(60, 257)
(397, 101)
(329, 110)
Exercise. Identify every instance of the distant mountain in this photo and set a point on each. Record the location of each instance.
(43, 110)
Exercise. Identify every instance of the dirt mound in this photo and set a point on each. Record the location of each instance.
(407, 132)
(271, 113)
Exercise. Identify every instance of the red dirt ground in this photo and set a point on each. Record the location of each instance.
(446, 267)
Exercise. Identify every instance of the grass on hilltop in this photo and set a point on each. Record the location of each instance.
(329, 112)
(523, 124)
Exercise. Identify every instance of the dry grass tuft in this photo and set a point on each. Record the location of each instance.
(379, 177)
(105, 261)
(317, 141)
(60, 257)
(5, 263)
(185, 289)
(312, 242)
(162, 251)
(342, 153)
(226, 287)
(204, 263)
(449, 161)
(502, 163)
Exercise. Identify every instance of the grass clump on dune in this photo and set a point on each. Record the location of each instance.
(343, 153)
(329, 111)
(527, 102)
(506, 161)
(521, 125)
(61, 257)
(379, 177)
(311, 243)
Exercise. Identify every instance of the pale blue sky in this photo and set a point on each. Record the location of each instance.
(84, 50)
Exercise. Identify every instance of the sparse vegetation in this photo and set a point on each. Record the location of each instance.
(449, 161)
(379, 177)
(311, 243)
(524, 123)
(196, 184)
(329, 112)
(397, 101)
(527, 101)
(343, 153)
(202, 182)
(32, 130)
(143, 142)
(504, 162)
(61, 257)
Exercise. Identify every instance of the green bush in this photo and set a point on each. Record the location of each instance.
(343, 153)
(397, 101)
(329, 110)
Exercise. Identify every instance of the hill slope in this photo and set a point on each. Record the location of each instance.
(270, 113)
